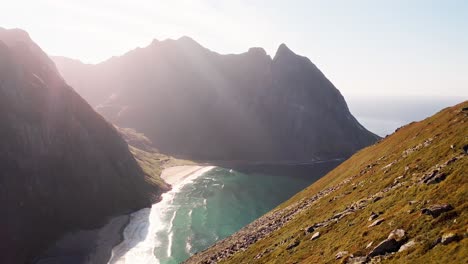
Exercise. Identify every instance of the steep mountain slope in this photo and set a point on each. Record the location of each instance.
(62, 166)
(150, 159)
(402, 200)
(196, 103)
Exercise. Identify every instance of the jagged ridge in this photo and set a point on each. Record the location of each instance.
(198, 104)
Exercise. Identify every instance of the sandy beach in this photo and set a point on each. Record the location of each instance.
(174, 175)
(140, 234)
(95, 246)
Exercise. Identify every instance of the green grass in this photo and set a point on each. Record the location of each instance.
(150, 160)
(352, 234)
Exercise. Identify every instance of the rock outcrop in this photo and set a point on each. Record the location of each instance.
(198, 104)
(395, 239)
(436, 209)
(62, 166)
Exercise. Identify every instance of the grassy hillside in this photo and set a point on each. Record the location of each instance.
(150, 160)
(347, 216)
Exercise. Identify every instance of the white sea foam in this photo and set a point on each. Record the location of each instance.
(140, 234)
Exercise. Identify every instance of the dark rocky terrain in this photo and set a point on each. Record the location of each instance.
(62, 166)
(402, 200)
(198, 104)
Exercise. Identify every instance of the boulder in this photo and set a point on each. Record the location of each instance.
(377, 222)
(373, 216)
(356, 260)
(392, 244)
(293, 245)
(437, 209)
(315, 236)
(434, 177)
(407, 245)
(341, 254)
(449, 238)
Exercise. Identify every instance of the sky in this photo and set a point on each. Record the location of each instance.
(365, 47)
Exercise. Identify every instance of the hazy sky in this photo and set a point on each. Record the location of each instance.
(365, 47)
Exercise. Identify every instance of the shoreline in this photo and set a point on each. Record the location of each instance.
(96, 246)
(177, 177)
(111, 235)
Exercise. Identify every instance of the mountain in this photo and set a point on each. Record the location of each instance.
(402, 200)
(62, 166)
(198, 104)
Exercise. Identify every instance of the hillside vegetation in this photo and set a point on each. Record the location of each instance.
(150, 160)
(401, 200)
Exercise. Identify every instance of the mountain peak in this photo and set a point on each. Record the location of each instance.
(186, 39)
(257, 50)
(11, 36)
(283, 50)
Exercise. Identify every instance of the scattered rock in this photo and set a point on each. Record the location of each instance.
(373, 216)
(407, 245)
(435, 243)
(377, 222)
(449, 238)
(389, 165)
(293, 245)
(315, 236)
(377, 199)
(398, 179)
(369, 244)
(450, 161)
(434, 177)
(310, 229)
(437, 209)
(341, 254)
(397, 234)
(357, 260)
(392, 244)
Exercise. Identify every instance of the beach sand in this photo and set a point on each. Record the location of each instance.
(174, 175)
(95, 246)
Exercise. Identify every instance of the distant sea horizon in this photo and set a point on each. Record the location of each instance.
(382, 115)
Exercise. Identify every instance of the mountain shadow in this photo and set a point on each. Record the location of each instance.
(62, 166)
(197, 104)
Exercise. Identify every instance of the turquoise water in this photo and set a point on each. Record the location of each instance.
(220, 202)
(207, 206)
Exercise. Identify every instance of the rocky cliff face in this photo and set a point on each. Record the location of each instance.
(62, 166)
(199, 104)
(402, 200)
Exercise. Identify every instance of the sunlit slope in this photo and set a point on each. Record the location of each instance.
(414, 183)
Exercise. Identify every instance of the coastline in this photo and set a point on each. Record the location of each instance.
(96, 246)
(139, 248)
(175, 175)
